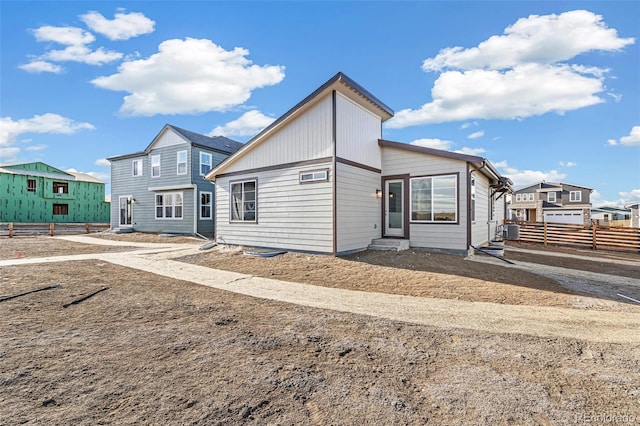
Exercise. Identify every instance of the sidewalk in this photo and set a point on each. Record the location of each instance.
(592, 325)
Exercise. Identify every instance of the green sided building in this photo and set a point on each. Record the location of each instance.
(39, 193)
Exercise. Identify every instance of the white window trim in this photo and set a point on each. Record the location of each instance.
(255, 219)
(210, 206)
(173, 206)
(518, 198)
(159, 165)
(577, 199)
(532, 196)
(210, 163)
(312, 176)
(178, 162)
(140, 163)
(549, 194)
(455, 198)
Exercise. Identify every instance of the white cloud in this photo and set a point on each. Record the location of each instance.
(8, 155)
(46, 123)
(83, 54)
(537, 39)
(98, 175)
(187, 77)
(76, 42)
(626, 198)
(102, 162)
(446, 145)
(248, 124)
(39, 66)
(568, 164)
(122, 27)
(69, 36)
(633, 138)
(524, 91)
(471, 151)
(433, 143)
(523, 178)
(468, 124)
(518, 74)
(34, 148)
(632, 196)
(476, 135)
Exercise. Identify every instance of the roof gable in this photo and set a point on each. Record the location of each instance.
(216, 143)
(547, 186)
(37, 166)
(339, 82)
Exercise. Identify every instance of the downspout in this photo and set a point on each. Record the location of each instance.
(195, 208)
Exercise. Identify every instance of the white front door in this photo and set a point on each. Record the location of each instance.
(394, 210)
(125, 210)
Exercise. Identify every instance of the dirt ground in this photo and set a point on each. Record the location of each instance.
(154, 350)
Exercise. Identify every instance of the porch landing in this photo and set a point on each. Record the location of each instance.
(392, 244)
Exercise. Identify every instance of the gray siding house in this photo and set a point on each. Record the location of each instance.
(321, 179)
(552, 202)
(162, 189)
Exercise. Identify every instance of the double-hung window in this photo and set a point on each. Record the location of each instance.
(206, 160)
(205, 205)
(169, 205)
(575, 196)
(181, 166)
(136, 167)
(243, 201)
(434, 199)
(155, 165)
(551, 197)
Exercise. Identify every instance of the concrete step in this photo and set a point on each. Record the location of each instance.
(394, 244)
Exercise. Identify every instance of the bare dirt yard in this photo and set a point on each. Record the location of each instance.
(157, 350)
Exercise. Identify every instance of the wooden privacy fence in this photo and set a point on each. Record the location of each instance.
(17, 229)
(593, 236)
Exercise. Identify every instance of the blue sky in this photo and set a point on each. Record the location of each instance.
(544, 90)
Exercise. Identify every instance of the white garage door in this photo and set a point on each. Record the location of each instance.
(564, 216)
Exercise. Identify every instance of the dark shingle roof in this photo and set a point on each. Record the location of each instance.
(219, 143)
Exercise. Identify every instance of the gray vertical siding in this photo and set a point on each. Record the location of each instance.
(358, 209)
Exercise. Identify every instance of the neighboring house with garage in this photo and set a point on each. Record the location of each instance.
(162, 188)
(552, 202)
(611, 216)
(321, 179)
(39, 193)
